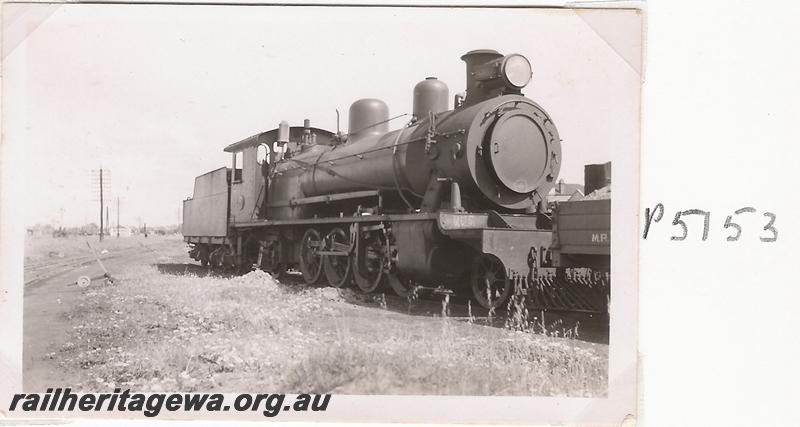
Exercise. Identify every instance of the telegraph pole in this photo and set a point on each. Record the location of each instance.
(101, 204)
(117, 217)
(101, 178)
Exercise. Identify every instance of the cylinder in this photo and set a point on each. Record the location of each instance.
(430, 96)
(368, 116)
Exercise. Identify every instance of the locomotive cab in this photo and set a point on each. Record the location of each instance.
(255, 157)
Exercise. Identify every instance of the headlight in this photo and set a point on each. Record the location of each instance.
(516, 70)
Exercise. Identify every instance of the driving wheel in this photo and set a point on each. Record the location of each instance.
(310, 260)
(337, 265)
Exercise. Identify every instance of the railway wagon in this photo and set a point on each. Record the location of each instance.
(453, 199)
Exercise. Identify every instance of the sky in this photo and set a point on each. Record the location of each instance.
(154, 93)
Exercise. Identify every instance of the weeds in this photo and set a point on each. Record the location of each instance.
(446, 306)
(382, 301)
(157, 331)
(449, 363)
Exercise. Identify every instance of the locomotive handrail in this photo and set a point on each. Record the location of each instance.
(508, 101)
(334, 173)
(306, 165)
(258, 201)
(360, 154)
(377, 123)
(324, 199)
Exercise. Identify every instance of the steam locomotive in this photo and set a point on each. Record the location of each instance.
(455, 199)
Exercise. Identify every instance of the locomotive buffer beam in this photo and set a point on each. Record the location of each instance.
(513, 242)
(506, 237)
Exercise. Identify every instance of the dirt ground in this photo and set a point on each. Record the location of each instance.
(169, 324)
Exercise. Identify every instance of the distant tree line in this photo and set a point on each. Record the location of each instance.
(93, 229)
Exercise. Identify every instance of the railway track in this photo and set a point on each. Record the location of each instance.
(44, 269)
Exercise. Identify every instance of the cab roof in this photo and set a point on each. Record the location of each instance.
(295, 134)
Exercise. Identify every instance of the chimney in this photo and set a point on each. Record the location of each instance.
(474, 59)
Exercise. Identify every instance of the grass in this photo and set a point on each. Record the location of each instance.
(156, 331)
(42, 248)
(48, 256)
(451, 362)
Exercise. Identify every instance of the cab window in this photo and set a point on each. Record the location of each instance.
(262, 154)
(237, 167)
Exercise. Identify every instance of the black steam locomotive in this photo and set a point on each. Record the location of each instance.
(455, 199)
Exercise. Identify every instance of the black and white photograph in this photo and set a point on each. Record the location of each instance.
(347, 203)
